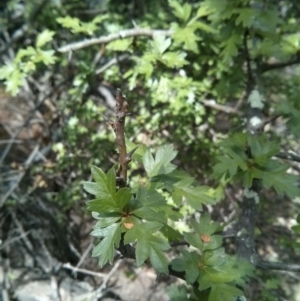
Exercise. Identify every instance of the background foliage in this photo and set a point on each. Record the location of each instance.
(200, 75)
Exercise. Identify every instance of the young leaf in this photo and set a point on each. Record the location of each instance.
(120, 45)
(162, 163)
(188, 37)
(108, 200)
(182, 12)
(174, 59)
(69, 22)
(44, 37)
(161, 43)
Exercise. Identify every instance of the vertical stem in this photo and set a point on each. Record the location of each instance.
(121, 113)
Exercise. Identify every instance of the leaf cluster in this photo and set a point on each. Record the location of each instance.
(142, 217)
(248, 158)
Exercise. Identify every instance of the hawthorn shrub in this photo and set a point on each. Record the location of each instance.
(213, 87)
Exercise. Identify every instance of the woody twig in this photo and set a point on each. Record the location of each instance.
(119, 128)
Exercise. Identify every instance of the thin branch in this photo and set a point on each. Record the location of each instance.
(112, 62)
(121, 113)
(127, 33)
(270, 67)
(278, 266)
(88, 249)
(211, 103)
(68, 266)
(99, 292)
(10, 141)
(12, 240)
(289, 156)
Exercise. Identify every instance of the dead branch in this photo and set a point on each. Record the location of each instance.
(211, 103)
(127, 33)
(68, 266)
(99, 292)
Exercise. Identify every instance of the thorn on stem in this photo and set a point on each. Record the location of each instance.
(130, 154)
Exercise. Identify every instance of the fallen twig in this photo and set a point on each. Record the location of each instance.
(84, 271)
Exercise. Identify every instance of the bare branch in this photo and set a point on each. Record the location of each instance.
(289, 156)
(211, 103)
(112, 62)
(270, 67)
(127, 33)
(278, 266)
(84, 271)
(121, 113)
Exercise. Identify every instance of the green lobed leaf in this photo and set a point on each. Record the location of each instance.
(96, 189)
(195, 196)
(149, 198)
(224, 292)
(111, 182)
(162, 162)
(246, 16)
(160, 43)
(105, 221)
(178, 293)
(282, 182)
(108, 200)
(120, 45)
(151, 215)
(174, 59)
(188, 37)
(226, 165)
(190, 264)
(122, 197)
(170, 233)
(182, 12)
(99, 176)
(106, 248)
(44, 37)
(101, 205)
(69, 22)
(149, 245)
